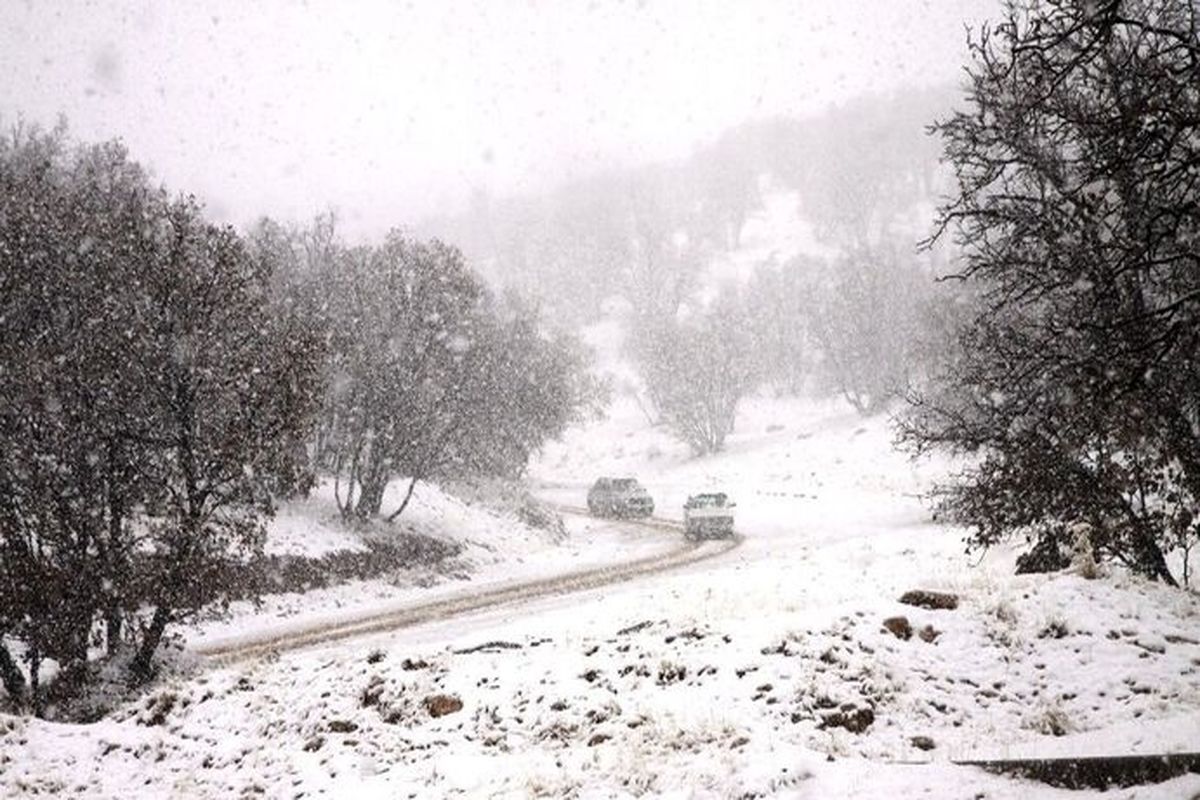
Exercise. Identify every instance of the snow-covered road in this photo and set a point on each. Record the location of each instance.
(267, 641)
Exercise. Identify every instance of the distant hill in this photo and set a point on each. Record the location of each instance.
(860, 173)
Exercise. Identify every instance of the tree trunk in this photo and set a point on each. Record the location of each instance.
(412, 484)
(35, 681)
(140, 668)
(114, 566)
(112, 628)
(370, 498)
(11, 676)
(73, 665)
(1150, 558)
(113, 553)
(372, 484)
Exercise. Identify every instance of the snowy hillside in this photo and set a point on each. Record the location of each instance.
(773, 234)
(739, 677)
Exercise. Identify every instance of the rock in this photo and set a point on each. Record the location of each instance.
(158, 708)
(690, 633)
(1055, 629)
(898, 627)
(641, 626)
(855, 720)
(439, 705)
(488, 647)
(375, 656)
(670, 672)
(598, 715)
(314, 744)
(780, 649)
(1157, 648)
(599, 738)
(1174, 638)
(342, 726)
(372, 693)
(934, 601)
(922, 743)
(410, 665)
(929, 634)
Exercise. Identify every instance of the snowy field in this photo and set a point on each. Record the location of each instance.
(764, 673)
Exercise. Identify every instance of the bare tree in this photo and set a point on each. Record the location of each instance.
(696, 372)
(430, 377)
(227, 386)
(868, 317)
(1078, 209)
(781, 303)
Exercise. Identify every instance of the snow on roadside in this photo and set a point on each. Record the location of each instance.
(313, 526)
(591, 544)
(310, 526)
(497, 549)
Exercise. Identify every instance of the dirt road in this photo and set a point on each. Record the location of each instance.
(688, 552)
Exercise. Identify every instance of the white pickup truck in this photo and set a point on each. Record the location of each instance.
(708, 515)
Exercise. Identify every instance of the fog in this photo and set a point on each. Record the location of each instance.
(391, 112)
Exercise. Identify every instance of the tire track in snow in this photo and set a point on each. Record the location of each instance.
(689, 552)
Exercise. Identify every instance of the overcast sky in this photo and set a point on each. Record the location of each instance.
(389, 111)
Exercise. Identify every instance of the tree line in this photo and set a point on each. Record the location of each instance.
(164, 380)
(862, 320)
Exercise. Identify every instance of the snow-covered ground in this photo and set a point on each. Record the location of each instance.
(497, 550)
(741, 676)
